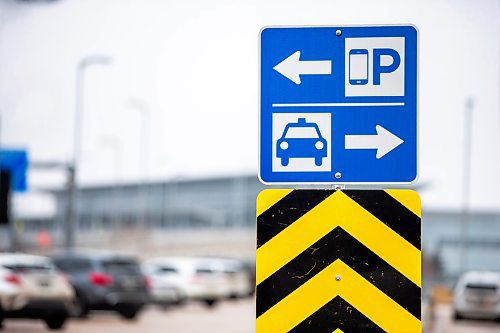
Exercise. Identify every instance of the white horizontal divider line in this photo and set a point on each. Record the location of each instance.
(288, 105)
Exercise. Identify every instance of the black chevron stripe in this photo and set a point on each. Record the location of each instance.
(391, 212)
(286, 211)
(338, 244)
(337, 314)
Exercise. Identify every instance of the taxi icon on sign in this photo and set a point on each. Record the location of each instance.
(301, 140)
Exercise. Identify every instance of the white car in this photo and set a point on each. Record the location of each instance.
(239, 283)
(12, 296)
(165, 284)
(44, 293)
(477, 295)
(174, 279)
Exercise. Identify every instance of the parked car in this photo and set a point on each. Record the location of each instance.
(249, 269)
(12, 296)
(196, 279)
(36, 290)
(105, 281)
(477, 295)
(165, 287)
(238, 283)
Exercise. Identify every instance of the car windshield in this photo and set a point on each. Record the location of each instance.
(294, 132)
(166, 270)
(477, 286)
(203, 270)
(73, 264)
(123, 266)
(30, 268)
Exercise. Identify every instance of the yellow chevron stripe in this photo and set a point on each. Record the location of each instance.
(408, 198)
(339, 210)
(338, 330)
(322, 288)
(269, 198)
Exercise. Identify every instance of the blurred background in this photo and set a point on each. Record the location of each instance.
(136, 126)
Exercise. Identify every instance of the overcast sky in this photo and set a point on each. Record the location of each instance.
(196, 62)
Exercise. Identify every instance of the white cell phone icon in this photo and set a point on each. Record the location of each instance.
(358, 66)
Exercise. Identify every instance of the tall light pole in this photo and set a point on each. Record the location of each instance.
(465, 216)
(10, 228)
(143, 107)
(72, 212)
(117, 149)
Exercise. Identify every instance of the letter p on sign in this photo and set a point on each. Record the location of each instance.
(385, 66)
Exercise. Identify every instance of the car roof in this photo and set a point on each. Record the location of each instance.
(302, 124)
(186, 260)
(21, 258)
(481, 277)
(93, 254)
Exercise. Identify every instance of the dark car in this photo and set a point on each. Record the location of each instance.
(105, 282)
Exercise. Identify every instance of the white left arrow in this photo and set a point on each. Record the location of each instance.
(292, 67)
(384, 141)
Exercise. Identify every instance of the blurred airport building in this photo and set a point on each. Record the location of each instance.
(211, 216)
(217, 216)
(227, 202)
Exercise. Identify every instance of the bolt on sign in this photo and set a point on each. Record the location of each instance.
(338, 261)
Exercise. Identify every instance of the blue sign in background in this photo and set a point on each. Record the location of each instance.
(16, 162)
(354, 165)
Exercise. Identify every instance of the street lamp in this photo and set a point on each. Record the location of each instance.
(82, 66)
(143, 107)
(466, 186)
(116, 148)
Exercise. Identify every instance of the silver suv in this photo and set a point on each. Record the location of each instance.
(36, 290)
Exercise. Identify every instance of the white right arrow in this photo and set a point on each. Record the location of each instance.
(292, 67)
(384, 141)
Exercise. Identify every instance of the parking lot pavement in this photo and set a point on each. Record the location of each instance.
(227, 317)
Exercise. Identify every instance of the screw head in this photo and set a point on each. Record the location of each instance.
(338, 32)
(338, 175)
(338, 278)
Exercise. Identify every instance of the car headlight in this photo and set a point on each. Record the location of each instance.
(284, 145)
(319, 145)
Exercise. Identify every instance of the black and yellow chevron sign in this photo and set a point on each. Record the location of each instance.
(338, 261)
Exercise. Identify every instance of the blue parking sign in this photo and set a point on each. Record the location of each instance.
(15, 161)
(338, 105)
